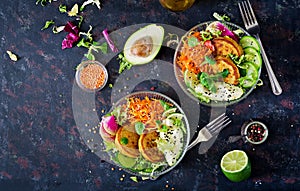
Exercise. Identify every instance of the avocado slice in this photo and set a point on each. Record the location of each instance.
(144, 44)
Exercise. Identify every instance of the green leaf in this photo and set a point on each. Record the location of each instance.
(48, 24)
(165, 105)
(102, 47)
(83, 43)
(139, 127)
(164, 128)
(208, 82)
(193, 41)
(62, 8)
(210, 60)
(90, 56)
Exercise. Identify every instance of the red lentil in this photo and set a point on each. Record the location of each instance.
(92, 76)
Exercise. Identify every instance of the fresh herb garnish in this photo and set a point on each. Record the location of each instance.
(208, 81)
(193, 41)
(124, 64)
(210, 60)
(164, 128)
(139, 127)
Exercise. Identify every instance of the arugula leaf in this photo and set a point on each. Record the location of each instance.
(193, 41)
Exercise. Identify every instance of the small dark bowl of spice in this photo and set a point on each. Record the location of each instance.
(255, 132)
(91, 76)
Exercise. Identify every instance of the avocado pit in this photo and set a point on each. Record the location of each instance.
(142, 47)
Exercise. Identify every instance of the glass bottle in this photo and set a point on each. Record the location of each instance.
(177, 5)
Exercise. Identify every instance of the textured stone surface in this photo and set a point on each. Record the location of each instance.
(41, 147)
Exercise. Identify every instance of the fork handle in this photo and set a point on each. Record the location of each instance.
(276, 88)
(200, 138)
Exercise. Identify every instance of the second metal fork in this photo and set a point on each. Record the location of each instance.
(211, 129)
(252, 26)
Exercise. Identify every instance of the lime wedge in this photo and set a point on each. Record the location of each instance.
(236, 166)
(190, 79)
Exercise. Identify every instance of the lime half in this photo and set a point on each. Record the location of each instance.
(236, 166)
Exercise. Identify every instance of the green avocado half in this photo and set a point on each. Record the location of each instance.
(144, 44)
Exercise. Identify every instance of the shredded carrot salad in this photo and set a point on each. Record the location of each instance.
(191, 58)
(145, 110)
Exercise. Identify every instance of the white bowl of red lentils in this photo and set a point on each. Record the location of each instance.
(91, 75)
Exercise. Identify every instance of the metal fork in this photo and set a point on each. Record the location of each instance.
(211, 129)
(252, 26)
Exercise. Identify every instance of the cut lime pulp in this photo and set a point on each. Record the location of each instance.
(236, 165)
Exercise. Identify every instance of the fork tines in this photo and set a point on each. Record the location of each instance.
(218, 124)
(247, 13)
